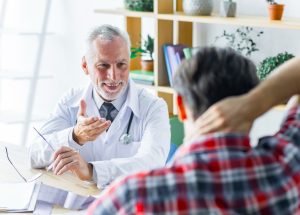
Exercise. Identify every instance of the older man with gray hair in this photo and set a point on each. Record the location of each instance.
(109, 129)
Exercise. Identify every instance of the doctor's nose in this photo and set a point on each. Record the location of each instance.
(111, 73)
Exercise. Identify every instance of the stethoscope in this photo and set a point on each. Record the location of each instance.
(127, 138)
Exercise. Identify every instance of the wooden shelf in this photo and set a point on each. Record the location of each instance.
(124, 12)
(252, 21)
(150, 87)
(165, 89)
(172, 26)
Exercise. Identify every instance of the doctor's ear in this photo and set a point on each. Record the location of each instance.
(84, 65)
(181, 108)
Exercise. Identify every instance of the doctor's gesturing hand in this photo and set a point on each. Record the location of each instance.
(88, 128)
(66, 158)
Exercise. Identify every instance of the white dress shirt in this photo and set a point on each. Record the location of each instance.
(110, 157)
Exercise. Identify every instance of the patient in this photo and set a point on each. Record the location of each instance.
(219, 173)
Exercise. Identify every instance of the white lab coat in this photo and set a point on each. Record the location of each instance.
(150, 130)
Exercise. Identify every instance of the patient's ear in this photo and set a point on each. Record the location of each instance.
(84, 66)
(181, 108)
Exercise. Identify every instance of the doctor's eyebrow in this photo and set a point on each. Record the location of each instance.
(103, 61)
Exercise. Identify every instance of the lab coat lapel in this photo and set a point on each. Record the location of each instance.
(114, 127)
(121, 120)
(91, 108)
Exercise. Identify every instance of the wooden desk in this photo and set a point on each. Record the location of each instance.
(20, 159)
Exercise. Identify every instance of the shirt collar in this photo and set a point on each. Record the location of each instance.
(117, 102)
(216, 142)
(131, 99)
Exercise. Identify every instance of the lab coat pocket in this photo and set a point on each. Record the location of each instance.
(128, 150)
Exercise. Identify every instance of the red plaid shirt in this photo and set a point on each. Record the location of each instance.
(217, 174)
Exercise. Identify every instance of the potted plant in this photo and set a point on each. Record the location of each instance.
(275, 10)
(270, 63)
(241, 40)
(228, 8)
(197, 7)
(145, 52)
(138, 5)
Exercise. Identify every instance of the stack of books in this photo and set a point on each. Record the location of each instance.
(174, 54)
(142, 77)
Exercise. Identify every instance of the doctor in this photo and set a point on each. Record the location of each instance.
(109, 129)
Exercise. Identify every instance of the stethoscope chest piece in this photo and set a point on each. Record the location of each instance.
(126, 139)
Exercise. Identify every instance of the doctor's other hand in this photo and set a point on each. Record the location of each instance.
(232, 114)
(66, 158)
(88, 128)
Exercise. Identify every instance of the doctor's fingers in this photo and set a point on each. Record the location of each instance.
(64, 156)
(99, 126)
(95, 125)
(65, 164)
(61, 150)
(95, 132)
(81, 120)
(68, 166)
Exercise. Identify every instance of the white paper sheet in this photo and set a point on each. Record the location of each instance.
(16, 196)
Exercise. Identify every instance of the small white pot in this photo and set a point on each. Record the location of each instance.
(228, 9)
(197, 7)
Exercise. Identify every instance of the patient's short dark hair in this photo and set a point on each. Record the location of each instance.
(211, 75)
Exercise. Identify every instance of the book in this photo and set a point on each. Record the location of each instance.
(180, 56)
(26, 193)
(172, 50)
(142, 75)
(144, 82)
(187, 53)
(168, 66)
(27, 197)
(172, 62)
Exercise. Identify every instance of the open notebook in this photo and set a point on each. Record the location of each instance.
(18, 197)
(28, 197)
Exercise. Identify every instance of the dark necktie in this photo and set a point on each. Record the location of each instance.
(108, 111)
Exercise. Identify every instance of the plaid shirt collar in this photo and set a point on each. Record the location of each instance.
(215, 142)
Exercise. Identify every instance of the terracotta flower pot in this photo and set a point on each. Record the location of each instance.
(275, 11)
(147, 65)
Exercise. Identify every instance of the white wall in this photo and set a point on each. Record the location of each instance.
(272, 42)
(71, 20)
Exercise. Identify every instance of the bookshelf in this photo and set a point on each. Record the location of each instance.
(173, 26)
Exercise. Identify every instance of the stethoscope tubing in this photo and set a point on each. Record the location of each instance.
(129, 123)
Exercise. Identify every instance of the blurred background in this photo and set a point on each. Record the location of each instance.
(42, 43)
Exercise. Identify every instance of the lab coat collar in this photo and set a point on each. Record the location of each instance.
(86, 95)
(132, 100)
(118, 103)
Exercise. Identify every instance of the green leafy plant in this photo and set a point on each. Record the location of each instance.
(139, 5)
(145, 50)
(271, 1)
(270, 63)
(240, 40)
